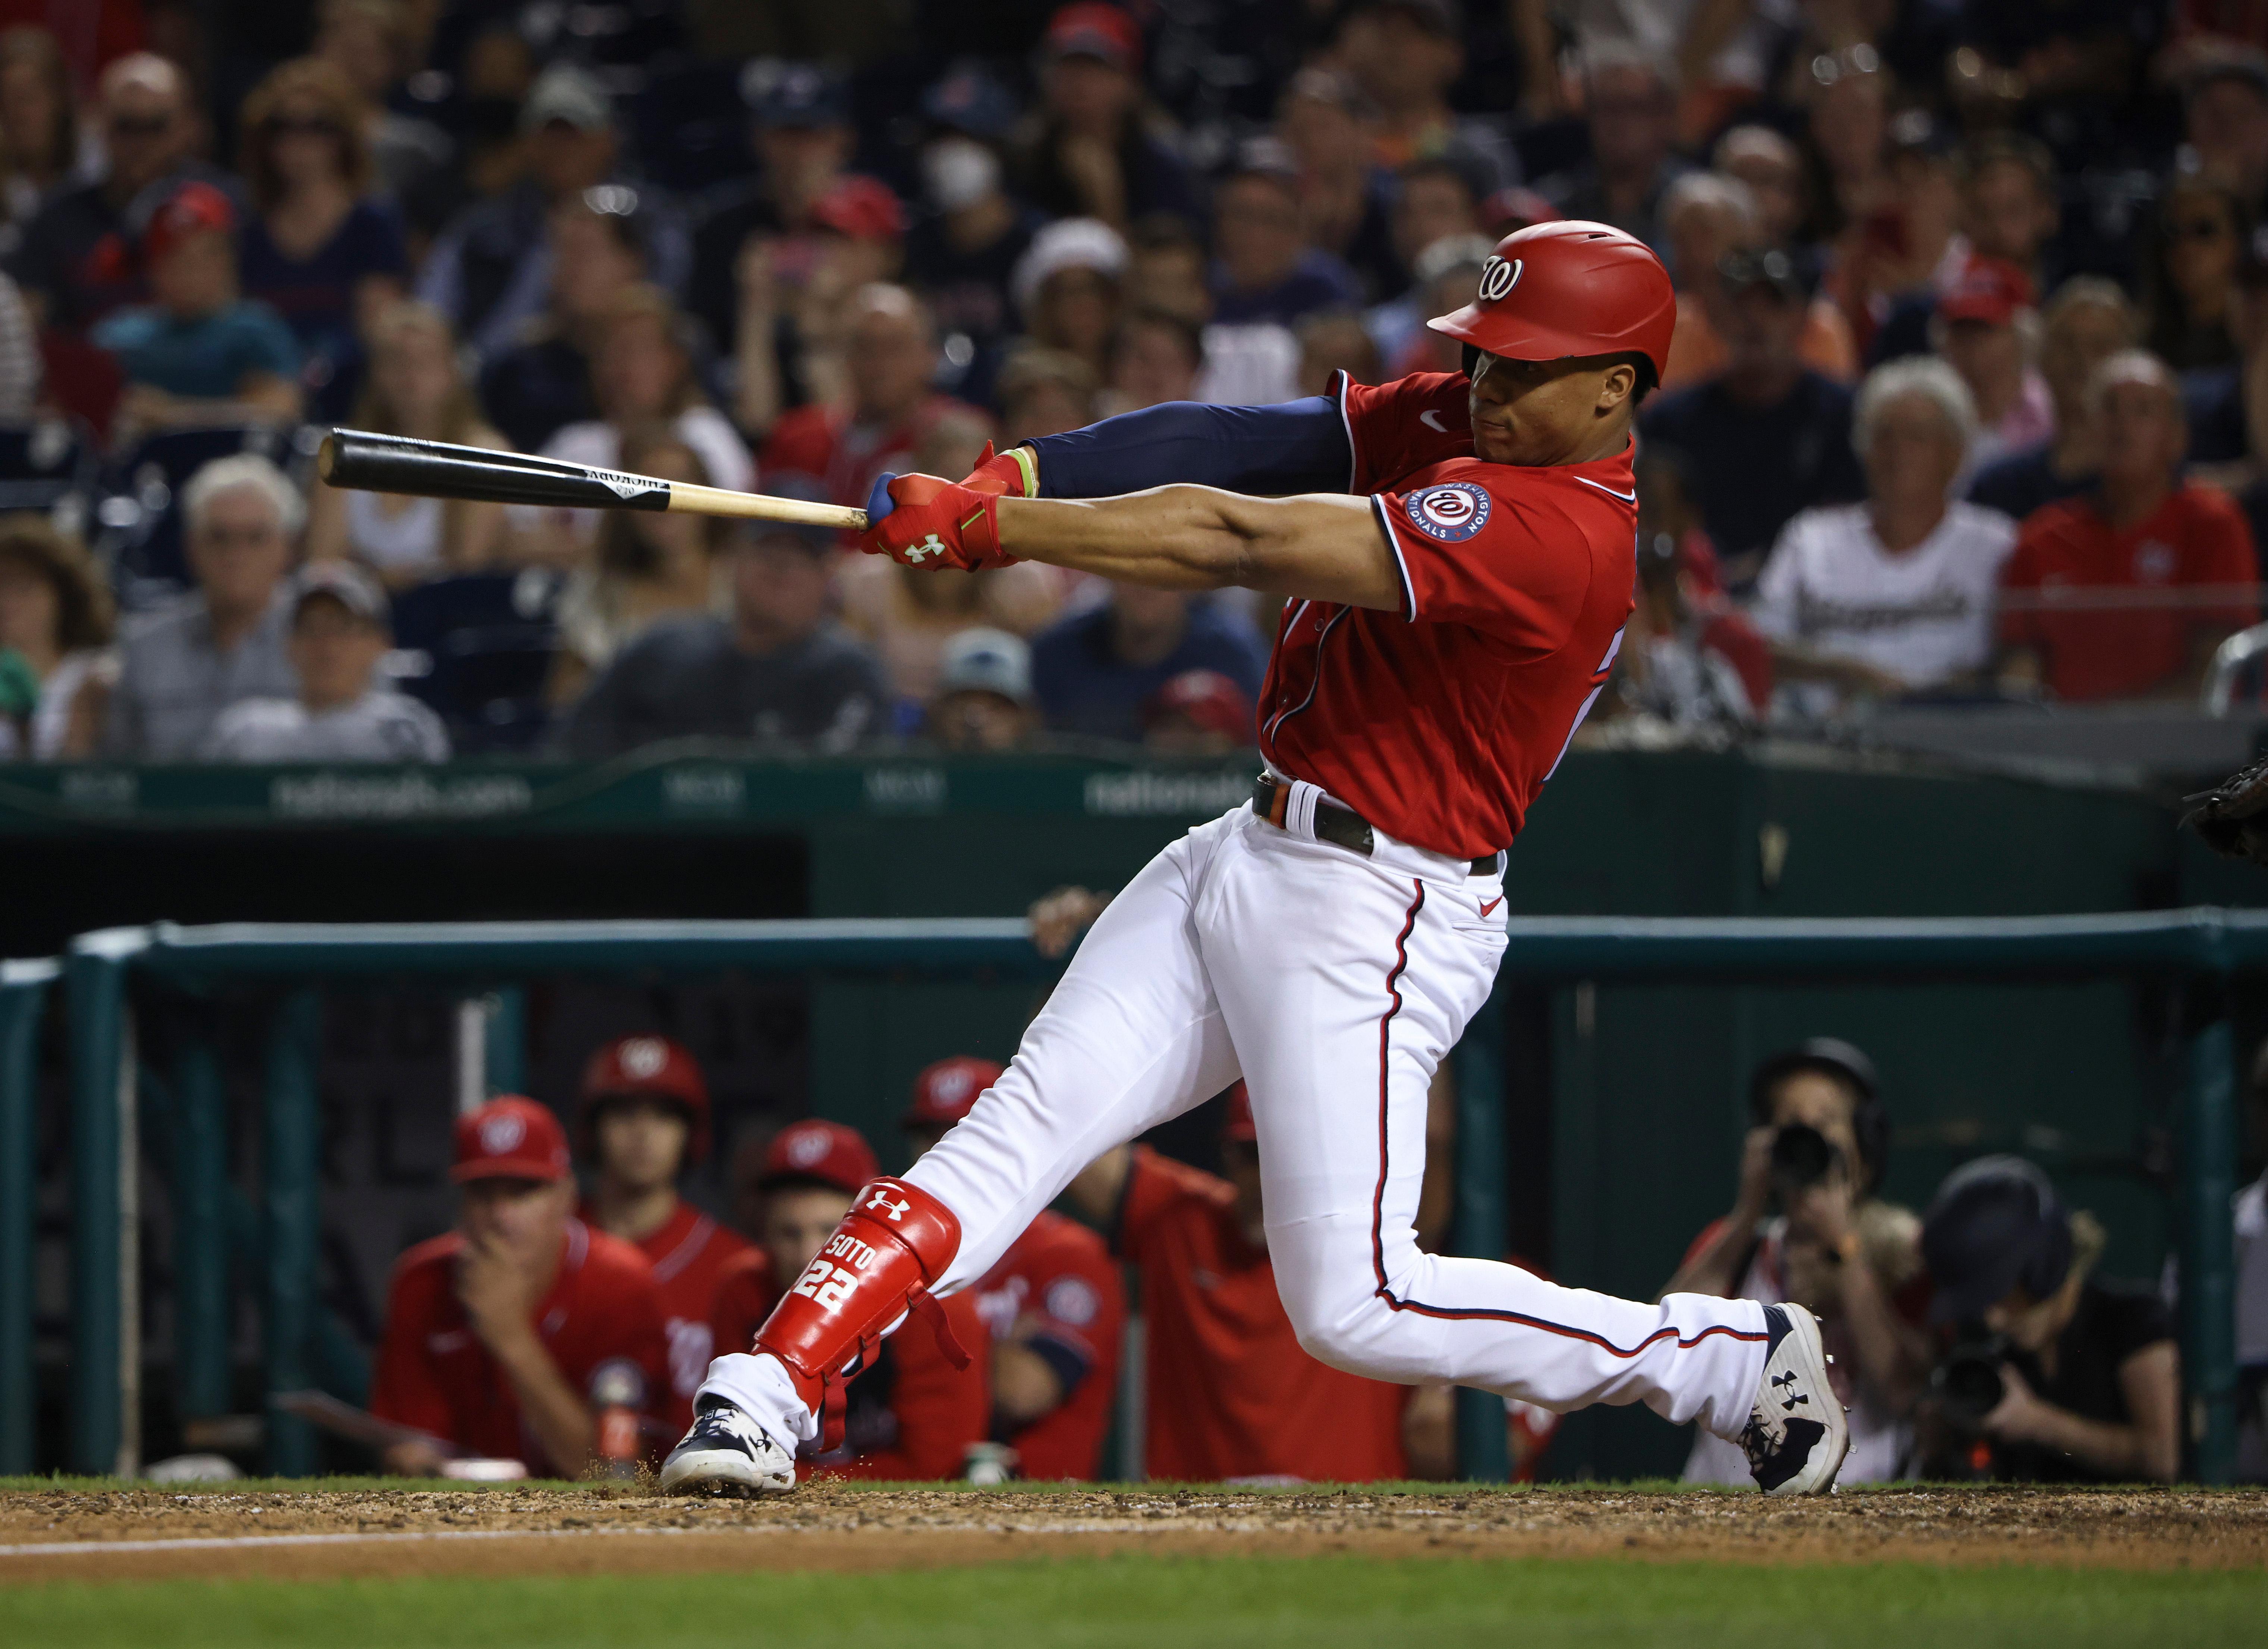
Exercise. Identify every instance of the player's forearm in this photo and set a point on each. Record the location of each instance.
(1298, 446)
(559, 1418)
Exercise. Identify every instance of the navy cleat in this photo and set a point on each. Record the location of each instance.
(1797, 1434)
(727, 1454)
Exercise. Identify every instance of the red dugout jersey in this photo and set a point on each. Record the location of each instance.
(1231, 1393)
(434, 1373)
(1059, 1280)
(688, 1252)
(910, 1413)
(1440, 723)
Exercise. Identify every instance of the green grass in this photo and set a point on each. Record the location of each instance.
(60, 1484)
(1188, 1603)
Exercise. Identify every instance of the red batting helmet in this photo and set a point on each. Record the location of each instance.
(1569, 288)
(645, 1068)
(945, 1092)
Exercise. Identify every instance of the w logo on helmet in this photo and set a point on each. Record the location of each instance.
(1499, 277)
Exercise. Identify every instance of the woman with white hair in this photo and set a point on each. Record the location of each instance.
(1895, 595)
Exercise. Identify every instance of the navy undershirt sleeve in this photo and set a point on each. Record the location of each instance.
(1266, 451)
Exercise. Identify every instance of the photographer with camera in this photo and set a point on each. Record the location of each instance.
(1816, 1156)
(2054, 1375)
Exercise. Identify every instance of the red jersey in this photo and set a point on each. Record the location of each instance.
(2113, 611)
(844, 455)
(688, 1252)
(1060, 1280)
(1231, 1393)
(1440, 723)
(910, 1413)
(434, 1373)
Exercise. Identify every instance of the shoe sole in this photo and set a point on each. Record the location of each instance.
(1810, 1359)
(722, 1476)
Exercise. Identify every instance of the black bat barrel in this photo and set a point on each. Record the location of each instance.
(386, 463)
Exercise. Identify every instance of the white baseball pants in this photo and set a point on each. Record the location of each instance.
(1334, 985)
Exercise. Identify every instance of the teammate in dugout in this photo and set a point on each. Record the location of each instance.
(500, 1333)
(642, 1119)
(918, 1405)
(1054, 1305)
(1457, 556)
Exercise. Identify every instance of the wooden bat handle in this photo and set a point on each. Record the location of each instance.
(686, 498)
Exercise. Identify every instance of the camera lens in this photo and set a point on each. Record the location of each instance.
(1968, 1383)
(1801, 1156)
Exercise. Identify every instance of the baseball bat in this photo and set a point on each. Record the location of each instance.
(372, 462)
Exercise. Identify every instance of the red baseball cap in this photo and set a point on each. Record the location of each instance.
(945, 1092)
(192, 209)
(1988, 289)
(1092, 29)
(1207, 697)
(862, 208)
(829, 1152)
(647, 1068)
(1570, 288)
(511, 1138)
(1239, 1129)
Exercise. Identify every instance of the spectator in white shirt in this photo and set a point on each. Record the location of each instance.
(1893, 595)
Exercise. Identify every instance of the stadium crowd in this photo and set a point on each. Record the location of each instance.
(1966, 404)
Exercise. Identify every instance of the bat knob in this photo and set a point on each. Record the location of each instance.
(879, 502)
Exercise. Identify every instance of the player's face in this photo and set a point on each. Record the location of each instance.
(924, 1139)
(526, 1218)
(1817, 1100)
(797, 1222)
(641, 1143)
(1549, 412)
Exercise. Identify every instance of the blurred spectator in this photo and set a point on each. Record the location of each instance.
(2125, 591)
(415, 387)
(21, 369)
(1629, 103)
(777, 670)
(1986, 328)
(506, 1334)
(984, 700)
(1331, 343)
(1198, 713)
(1264, 271)
(1344, 193)
(1816, 1150)
(1448, 279)
(641, 354)
(641, 1121)
(322, 250)
(2011, 208)
(375, 43)
(1689, 657)
(40, 147)
(1894, 594)
(1900, 245)
(2088, 1377)
(1090, 150)
(1043, 392)
(184, 664)
(893, 356)
(1766, 437)
(965, 247)
(2190, 283)
(340, 631)
(909, 1413)
(649, 565)
(1405, 55)
(55, 617)
(1229, 1393)
(1067, 288)
(1155, 358)
(801, 136)
(200, 352)
(2225, 115)
(1166, 269)
(492, 269)
(75, 262)
(1095, 669)
(1770, 168)
(1433, 202)
(2087, 321)
(1704, 216)
(543, 379)
(2251, 1218)
(1054, 1302)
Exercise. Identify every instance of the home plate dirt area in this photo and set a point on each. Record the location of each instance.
(145, 1534)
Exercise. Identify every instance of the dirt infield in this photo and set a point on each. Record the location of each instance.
(153, 1534)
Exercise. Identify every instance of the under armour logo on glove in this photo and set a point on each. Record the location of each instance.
(930, 546)
(897, 1209)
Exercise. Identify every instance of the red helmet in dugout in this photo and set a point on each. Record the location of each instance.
(645, 1068)
(946, 1091)
(1567, 289)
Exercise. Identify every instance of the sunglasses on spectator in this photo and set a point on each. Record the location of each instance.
(140, 125)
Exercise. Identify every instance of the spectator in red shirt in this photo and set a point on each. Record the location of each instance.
(1230, 1391)
(2125, 593)
(910, 1413)
(495, 1332)
(1054, 1305)
(643, 1120)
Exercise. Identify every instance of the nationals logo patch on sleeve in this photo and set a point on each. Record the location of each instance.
(1452, 512)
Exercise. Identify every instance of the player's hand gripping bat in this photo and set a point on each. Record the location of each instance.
(371, 462)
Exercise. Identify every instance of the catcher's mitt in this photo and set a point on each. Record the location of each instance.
(2232, 815)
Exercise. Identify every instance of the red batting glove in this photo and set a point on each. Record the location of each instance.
(1004, 474)
(933, 523)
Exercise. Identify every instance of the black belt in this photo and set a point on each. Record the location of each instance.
(1342, 827)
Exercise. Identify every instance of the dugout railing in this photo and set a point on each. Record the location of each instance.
(2206, 948)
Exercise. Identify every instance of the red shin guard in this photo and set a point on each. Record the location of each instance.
(879, 1265)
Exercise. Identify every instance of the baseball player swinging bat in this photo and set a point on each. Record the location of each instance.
(372, 462)
(1456, 552)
